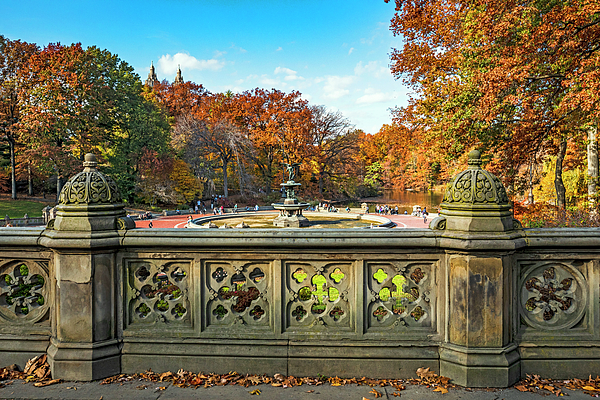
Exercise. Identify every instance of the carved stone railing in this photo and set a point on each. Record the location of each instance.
(475, 297)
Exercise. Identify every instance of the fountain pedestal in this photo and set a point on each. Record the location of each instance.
(290, 211)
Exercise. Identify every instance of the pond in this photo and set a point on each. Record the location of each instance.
(405, 200)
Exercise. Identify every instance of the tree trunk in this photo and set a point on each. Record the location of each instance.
(225, 178)
(530, 198)
(561, 197)
(592, 159)
(59, 185)
(13, 166)
(29, 180)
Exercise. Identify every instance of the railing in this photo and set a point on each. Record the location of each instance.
(329, 302)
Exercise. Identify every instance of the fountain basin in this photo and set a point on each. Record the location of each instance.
(318, 220)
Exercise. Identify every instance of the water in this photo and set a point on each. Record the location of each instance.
(405, 200)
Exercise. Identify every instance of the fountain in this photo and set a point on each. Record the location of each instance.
(290, 211)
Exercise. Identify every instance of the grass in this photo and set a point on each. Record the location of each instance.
(18, 208)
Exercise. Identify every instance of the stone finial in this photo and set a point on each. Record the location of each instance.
(474, 158)
(90, 186)
(475, 200)
(90, 163)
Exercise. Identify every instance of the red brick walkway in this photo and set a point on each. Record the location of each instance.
(179, 221)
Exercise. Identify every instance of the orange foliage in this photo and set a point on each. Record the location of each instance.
(541, 215)
(514, 78)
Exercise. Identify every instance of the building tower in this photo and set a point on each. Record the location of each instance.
(152, 78)
(179, 77)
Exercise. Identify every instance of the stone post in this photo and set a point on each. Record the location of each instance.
(480, 234)
(84, 238)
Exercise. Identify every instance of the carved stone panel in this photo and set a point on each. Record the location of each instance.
(24, 292)
(399, 295)
(158, 293)
(553, 296)
(319, 294)
(238, 294)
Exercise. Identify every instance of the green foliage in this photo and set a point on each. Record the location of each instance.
(373, 178)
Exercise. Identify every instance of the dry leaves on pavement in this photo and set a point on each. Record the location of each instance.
(429, 378)
(36, 370)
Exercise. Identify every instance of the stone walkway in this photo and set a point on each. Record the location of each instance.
(164, 391)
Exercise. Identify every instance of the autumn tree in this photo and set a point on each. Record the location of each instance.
(278, 126)
(208, 133)
(63, 108)
(179, 98)
(335, 143)
(14, 54)
(154, 183)
(515, 78)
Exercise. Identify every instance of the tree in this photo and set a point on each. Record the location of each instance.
(208, 133)
(335, 142)
(14, 54)
(278, 126)
(135, 122)
(179, 98)
(64, 107)
(516, 78)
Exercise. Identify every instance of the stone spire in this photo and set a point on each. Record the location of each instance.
(179, 77)
(152, 78)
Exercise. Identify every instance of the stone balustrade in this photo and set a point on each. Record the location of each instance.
(475, 297)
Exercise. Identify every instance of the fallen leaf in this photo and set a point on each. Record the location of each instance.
(521, 388)
(376, 393)
(591, 388)
(440, 389)
(310, 391)
(425, 373)
(255, 392)
(46, 383)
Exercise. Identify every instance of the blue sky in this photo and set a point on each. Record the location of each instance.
(336, 53)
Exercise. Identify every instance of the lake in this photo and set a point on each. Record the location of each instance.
(407, 199)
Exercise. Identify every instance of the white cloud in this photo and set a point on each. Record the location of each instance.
(168, 64)
(290, 75)
(372, 68)
(240, 49)
(336, 86)
(270, 82)
(351, 50)
(219, 53)
(279, 48)
(373, 96)
(287, 71)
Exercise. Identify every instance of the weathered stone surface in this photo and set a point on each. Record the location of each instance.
(476, 297)
(477, 301)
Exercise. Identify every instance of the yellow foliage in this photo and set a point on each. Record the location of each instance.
(573, 179)
(186, 184)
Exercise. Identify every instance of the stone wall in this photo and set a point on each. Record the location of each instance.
(346, 303)
(475, 297)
